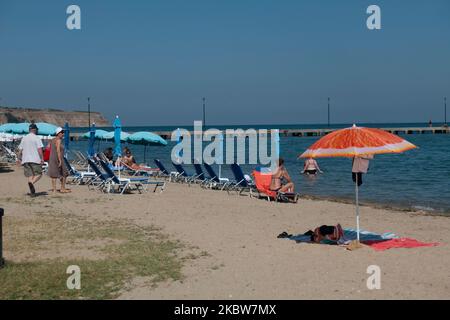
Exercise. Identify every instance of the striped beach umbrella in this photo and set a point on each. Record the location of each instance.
(357, 142)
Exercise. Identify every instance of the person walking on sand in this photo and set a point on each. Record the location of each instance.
(56, 167)
(31, 157)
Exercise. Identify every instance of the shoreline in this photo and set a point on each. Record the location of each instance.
(379, 205)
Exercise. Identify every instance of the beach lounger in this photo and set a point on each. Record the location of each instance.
(101, 179)
(163, 172)
(9, 155)
(124, 183)
(183, 175)
(241, 183)
(201, 177)
(146, 171)
(82, 160)
(78, 177)
(263, 181)
(214, 182)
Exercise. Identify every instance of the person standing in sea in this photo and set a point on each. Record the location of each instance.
(31, 157)
(56, 167)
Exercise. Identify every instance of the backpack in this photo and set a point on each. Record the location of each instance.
(47, 151)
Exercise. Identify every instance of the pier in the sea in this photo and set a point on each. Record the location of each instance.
(321, 132)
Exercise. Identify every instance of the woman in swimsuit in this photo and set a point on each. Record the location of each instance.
(311, 166)
(278, 176)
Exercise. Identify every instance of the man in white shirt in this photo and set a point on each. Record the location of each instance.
(31, 157)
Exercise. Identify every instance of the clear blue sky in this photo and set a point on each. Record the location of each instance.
(256, 62)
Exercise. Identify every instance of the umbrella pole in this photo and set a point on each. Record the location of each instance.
(357, 206)
(145, 152)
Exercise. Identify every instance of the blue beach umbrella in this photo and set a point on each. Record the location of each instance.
(91, 150)
(7, 127)
(147, 139)
(117, 137)
(110, 136)
(66, 137)
(45, 129)
(178, 136)
(219, 153)
(20, 128)
(99, 134)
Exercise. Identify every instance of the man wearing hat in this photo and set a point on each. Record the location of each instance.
(31, 157)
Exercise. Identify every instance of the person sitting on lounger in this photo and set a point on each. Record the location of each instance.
(129, 162)
(311, 166)
(109, 154)
(281, 181)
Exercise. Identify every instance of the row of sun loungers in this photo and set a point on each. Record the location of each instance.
(100, 175)
(257, 187)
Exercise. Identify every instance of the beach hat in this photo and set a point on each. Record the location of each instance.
(59, 130)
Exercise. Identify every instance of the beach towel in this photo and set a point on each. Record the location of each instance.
(378, 242)
(399, 243)
(349, 235)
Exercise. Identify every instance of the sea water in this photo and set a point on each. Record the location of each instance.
(416, 179)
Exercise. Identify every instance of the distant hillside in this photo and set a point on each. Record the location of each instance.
(55, 116)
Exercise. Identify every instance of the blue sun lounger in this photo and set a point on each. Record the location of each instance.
(125, 183)
(214, 181)
(101, 179)
(241, 183)
(78, 177)
(163, 172)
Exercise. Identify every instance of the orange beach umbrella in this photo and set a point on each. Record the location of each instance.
(354, 142)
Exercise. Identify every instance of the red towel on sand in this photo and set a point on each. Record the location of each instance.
(398, 243)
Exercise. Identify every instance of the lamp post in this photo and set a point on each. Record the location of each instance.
(2, 261)
(328, 112)
(89, 111)
(445, 111)
(204, 112)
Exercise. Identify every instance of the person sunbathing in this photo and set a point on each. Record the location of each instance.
(129, 162)
(332, 233)
(281, 181)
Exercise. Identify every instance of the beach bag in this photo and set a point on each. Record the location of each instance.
(47, 151)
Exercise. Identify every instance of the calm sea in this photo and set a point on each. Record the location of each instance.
(418, 179)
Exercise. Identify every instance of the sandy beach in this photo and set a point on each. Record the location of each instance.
(243, 259)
